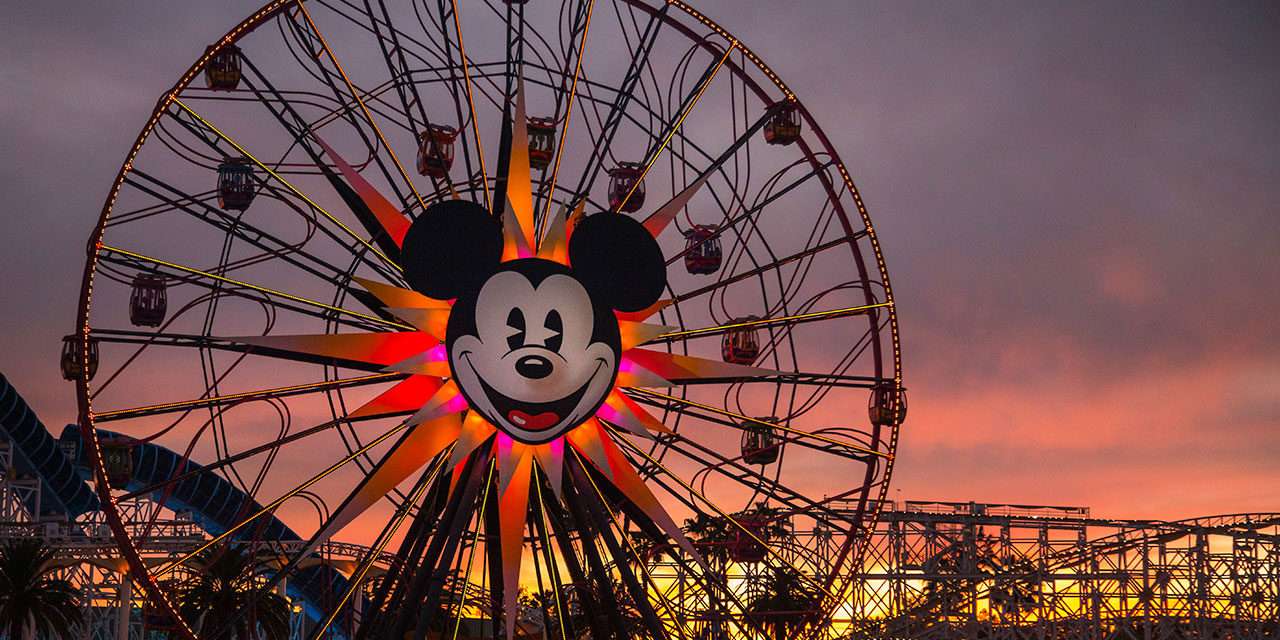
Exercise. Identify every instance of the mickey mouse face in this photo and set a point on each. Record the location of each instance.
(530, 352)
(533, 344)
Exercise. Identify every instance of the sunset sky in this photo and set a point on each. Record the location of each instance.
(1077, 203)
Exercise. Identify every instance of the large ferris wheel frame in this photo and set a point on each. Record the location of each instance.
(886, 366)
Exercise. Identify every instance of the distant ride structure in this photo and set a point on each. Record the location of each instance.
(260, 218)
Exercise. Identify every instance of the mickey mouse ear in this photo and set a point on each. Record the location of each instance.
(451, 249)
(618, 261)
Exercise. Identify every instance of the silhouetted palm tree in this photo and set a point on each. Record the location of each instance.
(34, 602)
(225, 600)
(785, 603)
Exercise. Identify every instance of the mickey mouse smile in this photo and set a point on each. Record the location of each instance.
(533, 416)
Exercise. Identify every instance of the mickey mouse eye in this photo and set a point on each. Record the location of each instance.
(515, 322)
(556, 326)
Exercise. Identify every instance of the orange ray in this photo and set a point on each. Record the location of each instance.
(674, 366)
(406, 396)
(638, 333)
(643, 314)
(555, 244)
(519, 186)
(432, 321)
(398, 297)
(514, 474)
(658, 220)
(373, 348)
(514, 245)
(475, 432)
(418, 445)
(391, 218)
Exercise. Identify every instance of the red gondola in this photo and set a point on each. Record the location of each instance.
(739, 344)
(435, 150)
(222, 72)
(149, 300)
(236, 186)
(760, 443)
(703, 254)
(542, 142)
(784, 125)
(625, 179)
(72, 362)
(888, 406)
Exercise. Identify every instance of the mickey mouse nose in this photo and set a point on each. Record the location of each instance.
(533, 367)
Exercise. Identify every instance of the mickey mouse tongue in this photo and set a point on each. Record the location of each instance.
(536, 422)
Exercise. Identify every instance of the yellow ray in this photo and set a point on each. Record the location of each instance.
(593, 442)
(631, 374)
(475, 432)
(398, 297)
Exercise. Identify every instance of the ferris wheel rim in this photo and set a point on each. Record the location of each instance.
(269, 11)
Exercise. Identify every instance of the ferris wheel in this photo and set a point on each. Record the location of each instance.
(565, 315)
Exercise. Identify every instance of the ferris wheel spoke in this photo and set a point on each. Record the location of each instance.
(569, 100)
(216, 218)
(734, 522)
(131, 259)
(686, 107)
(639, 61)
(289, 186)
(788, 321)
(744, 474)
(602, 518)
(743, 275)
(631, 551)
(302, 131)
(755, 210)
(736, 420)
(278, 501)
(427, 480)
(232, 399)
(230, 460)
(448, 11)
(363, 107)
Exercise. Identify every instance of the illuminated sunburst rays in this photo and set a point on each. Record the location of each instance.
(438, 420)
